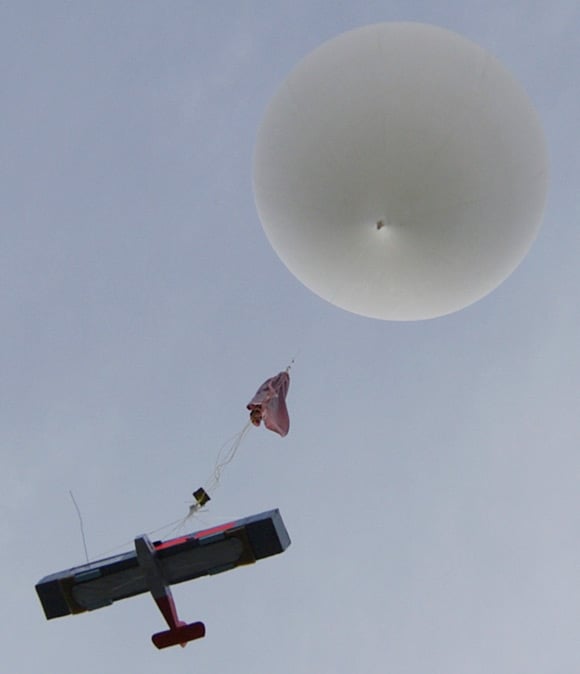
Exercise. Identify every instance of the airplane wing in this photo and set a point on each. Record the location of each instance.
(100, 583)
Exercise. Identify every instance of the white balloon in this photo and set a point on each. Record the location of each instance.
(400, 172)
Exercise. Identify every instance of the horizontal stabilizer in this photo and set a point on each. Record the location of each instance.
(180, 635)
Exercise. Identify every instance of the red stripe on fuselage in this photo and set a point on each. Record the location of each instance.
(199, 534)
(171, 543)
(214, 530)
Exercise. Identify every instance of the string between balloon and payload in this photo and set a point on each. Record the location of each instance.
(269, 406)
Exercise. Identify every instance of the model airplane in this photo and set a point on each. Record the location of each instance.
(155, 566)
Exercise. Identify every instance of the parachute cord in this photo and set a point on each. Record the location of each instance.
(225, 456)
(81, 524)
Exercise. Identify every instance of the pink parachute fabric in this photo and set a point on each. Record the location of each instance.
(269, 404)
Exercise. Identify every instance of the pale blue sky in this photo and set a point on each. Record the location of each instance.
(430, 480)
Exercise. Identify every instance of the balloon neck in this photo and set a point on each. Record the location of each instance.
(384, 225)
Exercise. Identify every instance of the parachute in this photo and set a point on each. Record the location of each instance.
(269, 404)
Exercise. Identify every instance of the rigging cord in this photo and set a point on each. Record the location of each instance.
(225, 456)
(81, 524)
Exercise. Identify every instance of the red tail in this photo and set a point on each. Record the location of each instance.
(180, 635)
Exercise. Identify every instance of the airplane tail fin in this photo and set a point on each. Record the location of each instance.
(180, 635)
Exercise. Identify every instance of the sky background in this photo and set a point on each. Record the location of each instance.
(430, 480)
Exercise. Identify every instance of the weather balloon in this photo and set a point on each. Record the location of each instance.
(400, 172)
